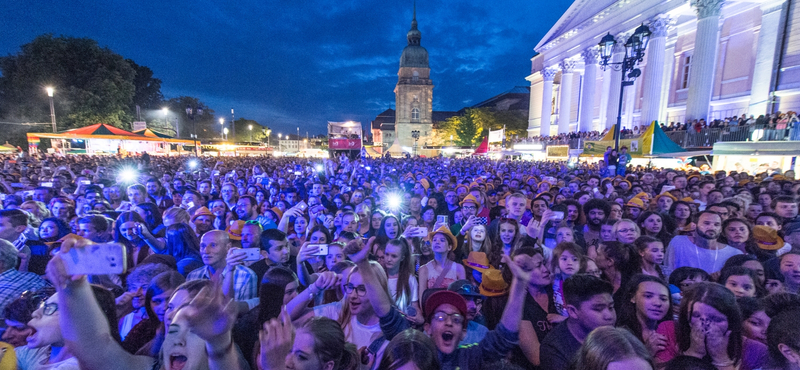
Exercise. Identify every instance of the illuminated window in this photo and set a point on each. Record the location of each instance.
(415, 114)
(687, 65)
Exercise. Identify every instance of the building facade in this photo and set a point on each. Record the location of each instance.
(706, 59)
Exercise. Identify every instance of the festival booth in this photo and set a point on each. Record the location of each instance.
(754, 157)
(104, 139)
(344, 138)
(651, 148)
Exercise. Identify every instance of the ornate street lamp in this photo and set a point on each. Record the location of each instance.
(50, 92)
(415, 135)
(634, 53)
(192, 114)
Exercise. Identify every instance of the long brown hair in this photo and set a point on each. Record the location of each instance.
(406, 269)
(721, 299)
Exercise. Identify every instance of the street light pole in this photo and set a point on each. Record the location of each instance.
(191, 114)
(222, 129)
(634, 53)
(250, 127)
(52, 108)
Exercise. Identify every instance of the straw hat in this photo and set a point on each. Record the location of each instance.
(235, 229)
(477, 261)
(277, 211)
(635, 202)
(666, 194)
(446, 232)
(493, 284)
(767, 238)
(202, 211)
(469, 198)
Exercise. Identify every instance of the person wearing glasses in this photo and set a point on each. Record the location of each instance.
(46, 348)
(474, 299)
(446, 316)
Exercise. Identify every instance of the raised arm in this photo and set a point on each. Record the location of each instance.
(512, 314)
(381, 302)
(211, 317)
(326, 280)
(306, 278)
(84, 327)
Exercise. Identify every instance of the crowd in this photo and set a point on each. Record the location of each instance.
(415, 263)
(775, 121)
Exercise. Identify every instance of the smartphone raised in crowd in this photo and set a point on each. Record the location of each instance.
(322, 251)
(253, 254)
(96, 259)
(442, 219)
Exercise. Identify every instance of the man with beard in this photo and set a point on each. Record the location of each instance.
(247, 210)
(701, 250)
(596, 211)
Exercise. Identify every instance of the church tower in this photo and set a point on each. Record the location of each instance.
(414, 92)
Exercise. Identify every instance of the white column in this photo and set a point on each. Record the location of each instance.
(654, 73)
(630, 103)
(547, 100)
(535, 110)
(587, 95)
(704, 58)
(567, 71)
(666, 87)
(615, 81)
(765, 56)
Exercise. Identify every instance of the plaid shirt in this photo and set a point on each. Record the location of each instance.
(245, 283)
(13, 283)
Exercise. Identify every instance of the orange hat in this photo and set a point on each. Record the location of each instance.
(235, 229)
(666, 194)
(469, 198)
(202, 211)
(277, 211)
(687, 200)
(477, 261)
(779, 177)
(635, 202)
(446, 232)
(643, 196)
(425, 184)
(767, 238)
(492, 284)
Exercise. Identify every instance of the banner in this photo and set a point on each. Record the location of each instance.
(496, 136)
(139, 125)
(598, 148)
(344, 144)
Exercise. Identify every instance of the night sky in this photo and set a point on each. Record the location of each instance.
(302, 63)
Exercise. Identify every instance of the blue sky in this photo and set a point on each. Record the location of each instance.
(301, 63)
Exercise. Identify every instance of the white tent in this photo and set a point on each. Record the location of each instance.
(396, 150)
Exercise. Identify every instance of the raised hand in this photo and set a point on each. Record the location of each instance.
(210, 315)
(306, 252)
(519, 274)
(717, 345)
(655, 343)
(356, 250)
(276, 340)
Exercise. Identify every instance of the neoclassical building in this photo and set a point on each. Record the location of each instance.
(705, 59)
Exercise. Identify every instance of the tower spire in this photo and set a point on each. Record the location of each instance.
(414, 35)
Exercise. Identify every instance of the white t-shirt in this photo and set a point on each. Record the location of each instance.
(403, 301)
(682, 252)
(356, 333)
(36, 359)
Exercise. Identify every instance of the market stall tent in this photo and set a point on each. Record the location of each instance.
(102, 138)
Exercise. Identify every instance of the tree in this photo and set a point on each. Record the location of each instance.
(93, 84)
(468, 129)
(243, 131)
(207, 126)
(147, 90)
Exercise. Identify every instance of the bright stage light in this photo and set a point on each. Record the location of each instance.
(193, 164)
(129, 175)
(394, 201)
(319, 168)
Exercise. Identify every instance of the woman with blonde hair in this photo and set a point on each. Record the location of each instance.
(612, 348)
(38, 211)
(626, 231)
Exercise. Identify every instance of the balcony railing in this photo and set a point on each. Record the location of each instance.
(706, 137)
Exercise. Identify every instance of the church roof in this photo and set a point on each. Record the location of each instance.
(414, 55)
(575, 18)
(384, 117)
(518, 98)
